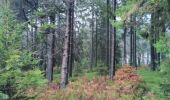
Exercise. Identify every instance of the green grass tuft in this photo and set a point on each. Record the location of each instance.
(153, 79)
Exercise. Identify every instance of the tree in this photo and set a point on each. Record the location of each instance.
(71, 39)
(133, 41)
(108, 34)
(124, 39)
(92, 37)
(18, 67)
(50, 50)
(65, 64)
(113, 51)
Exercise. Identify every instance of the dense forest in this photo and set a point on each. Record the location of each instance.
(84, 49)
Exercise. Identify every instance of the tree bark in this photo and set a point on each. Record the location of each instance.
(108, 34)
(71, 38)
(152, 39)
(124, 40)
(50, 51)
(113, 50)
(96, 41)
(65, 60)
(92, 39)
(134, 58)
(64, 68)
(131, 41)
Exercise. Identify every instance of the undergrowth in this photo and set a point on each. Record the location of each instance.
(126, 85)
(155, 81)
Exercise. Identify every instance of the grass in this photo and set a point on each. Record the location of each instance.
(90, 75)
(153, 81)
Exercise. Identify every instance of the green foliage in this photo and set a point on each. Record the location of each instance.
(40, 14)
(165, 66)
(17, 66)
(162, 45)
(80, 67)
(129, 7)
(153, 81)
(91, 75)
(32, 78)
(118, 24)
(3, 96)
(47, 27)
(143, 32)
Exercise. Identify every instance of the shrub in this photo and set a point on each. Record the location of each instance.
(3, 96)
(47, 28)
(127, 74)
(17, 66)
(165, 66)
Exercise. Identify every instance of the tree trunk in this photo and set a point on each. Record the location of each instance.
(92, 39)
(134, 58)
(131, 41)
(113, 50)
(155, 57)
(64, 68)
(96, 41)
(124, 40)
(71, 38)
(108, 34)
(50, 51)
(65, 60)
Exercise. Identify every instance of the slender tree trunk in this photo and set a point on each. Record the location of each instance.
(96, 41)
(71, 38)
(152, 37)
(92, 39)
(113, 51)
(66, 61)
(27, 40)
(64, 68)
(50, 51)
(157, 34)
(131, 41)
(155, 57)
(107, 34)
(124, 39)
(135, 65)
(147, 57)
(139, 59)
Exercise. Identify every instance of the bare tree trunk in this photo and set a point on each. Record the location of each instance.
(107, 34)
(124, 38)
(147, 57)
(131, 41)
(153, 40)
(134, 58)
(96, 41)
(113, 51)
(92, 39)
(64, 68)
(50, 51)
(71, 38)
(139, 59)
(65, 60)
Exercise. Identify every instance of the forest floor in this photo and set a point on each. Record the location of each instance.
(156, 83)
(128, 84)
